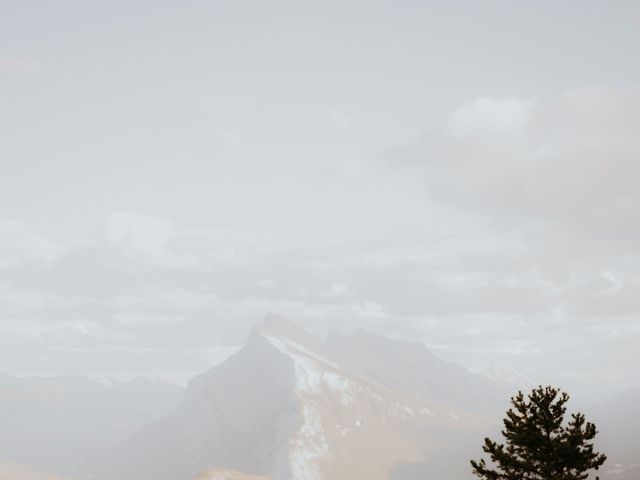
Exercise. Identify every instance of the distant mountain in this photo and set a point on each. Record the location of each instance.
(10, 471)
(290, 406)
(58, 423)
(618, 424)
(510, 377)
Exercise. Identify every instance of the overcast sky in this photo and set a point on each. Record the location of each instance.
(463, 174)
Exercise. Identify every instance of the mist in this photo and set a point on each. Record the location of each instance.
(451, 186)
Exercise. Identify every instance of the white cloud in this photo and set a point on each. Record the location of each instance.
(146, 236)
(338, 290)
(615, 285)
(143, 232)
(18, 244)
(131, 318)
(488, 116)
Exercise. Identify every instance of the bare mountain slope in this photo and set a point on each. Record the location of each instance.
(410, 366)
(237, 415)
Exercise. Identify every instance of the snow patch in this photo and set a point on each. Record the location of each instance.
(308, 447)
(313, 372)
(314, 375)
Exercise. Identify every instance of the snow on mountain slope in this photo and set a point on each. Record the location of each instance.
(309, 446)
(346, 412)
(287, 407)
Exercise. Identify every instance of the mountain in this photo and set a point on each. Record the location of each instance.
(618, 425)
(9, 471)
(410, 366)
(508, 376)
(226, 474)
(291, 406)
(288, 405)
(58, 423)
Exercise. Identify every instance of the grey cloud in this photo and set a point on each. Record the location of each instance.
(178, 313)
(571, 161)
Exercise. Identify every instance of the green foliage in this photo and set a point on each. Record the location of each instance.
(538, 444)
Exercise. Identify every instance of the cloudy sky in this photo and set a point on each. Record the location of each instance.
(464, 174)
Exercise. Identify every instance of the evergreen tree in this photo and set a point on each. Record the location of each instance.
(539, 445)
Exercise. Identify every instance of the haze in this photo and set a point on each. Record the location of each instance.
(462, 174)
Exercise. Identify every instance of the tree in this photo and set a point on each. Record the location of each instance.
(539, 444)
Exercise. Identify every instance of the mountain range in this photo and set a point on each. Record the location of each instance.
(287, 405)
(291, 406)
(61, 423)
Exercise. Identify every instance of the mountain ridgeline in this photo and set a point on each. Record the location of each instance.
(286, 406)
(291, 406)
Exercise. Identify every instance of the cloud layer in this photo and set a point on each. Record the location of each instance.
(162, 192)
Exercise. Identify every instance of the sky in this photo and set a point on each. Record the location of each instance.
(463, 174)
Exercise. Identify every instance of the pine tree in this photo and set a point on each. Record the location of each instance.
(539, 444)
